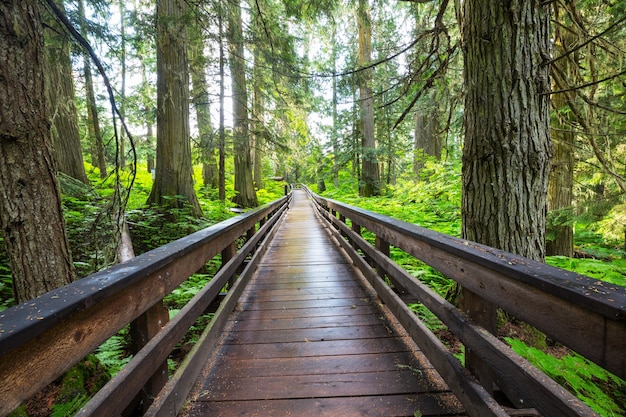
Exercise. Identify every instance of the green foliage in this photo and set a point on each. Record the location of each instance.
(152, 227)
(113, 354)
(613, 272)
(69, 408)
(599, 389)
(188, 289)
(433, 202)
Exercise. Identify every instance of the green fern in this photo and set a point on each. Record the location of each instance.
(112, 354)
(584, 379)
(69, 408)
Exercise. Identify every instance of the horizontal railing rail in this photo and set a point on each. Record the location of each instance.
(583, 314)
(42, 338)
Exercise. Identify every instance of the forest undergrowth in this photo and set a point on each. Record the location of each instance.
(434, 202)
(91, 231)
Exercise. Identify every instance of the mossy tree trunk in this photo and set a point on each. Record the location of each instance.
(173, 177)
(30, 206)
(370, 177)
(93, 120)
(200, 100)
(506, 157)
(507, 150)
(244, 185)
(61, 95)
(560, 187)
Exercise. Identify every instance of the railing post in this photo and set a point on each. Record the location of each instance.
(356, 228)
(227, 254)
(142, 329)
(383, 246)
(483, 313)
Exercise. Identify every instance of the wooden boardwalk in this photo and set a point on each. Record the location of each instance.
(309, 339)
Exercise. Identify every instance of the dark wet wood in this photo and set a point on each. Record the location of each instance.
(308, 339)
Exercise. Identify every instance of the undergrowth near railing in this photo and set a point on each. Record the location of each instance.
(599, 389)
(438, 208)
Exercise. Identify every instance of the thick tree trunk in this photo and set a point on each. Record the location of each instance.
(61, 96)
(506, 157)
(173, 156)
(30, 206)
(370, 179)
(244, 185)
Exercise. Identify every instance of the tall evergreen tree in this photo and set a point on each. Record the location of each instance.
(506, 158)
(244, 186)
(61, 95)
(369, 184)
(173, 176)
(30, 206)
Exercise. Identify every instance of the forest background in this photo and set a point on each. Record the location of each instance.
(364, 101)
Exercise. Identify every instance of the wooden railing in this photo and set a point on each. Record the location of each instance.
(42, 338)
(583, 314)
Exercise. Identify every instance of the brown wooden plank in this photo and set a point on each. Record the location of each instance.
(390, 405)
(304, 323)
(281, 313)
(311, 335)
(305, 303)
(308, 328)
(402, 381)
(318, 348)
(371, 362)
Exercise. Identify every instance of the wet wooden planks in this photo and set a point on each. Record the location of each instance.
(308, 339)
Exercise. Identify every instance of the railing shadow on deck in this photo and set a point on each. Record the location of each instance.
(42, 338)
(583, 314)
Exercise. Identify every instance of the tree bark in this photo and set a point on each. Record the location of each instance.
(244, 185)
(30, 205)
(200, 100)
(258, 103)
(426, 140)
(507, 150)
(561, 182)
(221, 175)
(370, 179)
(95, 135)
(173, 156)
(61, 96)
(506, 156)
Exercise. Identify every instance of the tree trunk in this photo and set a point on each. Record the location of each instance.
(334, 135)
(61, 96)
(30, 206)
(370, 179)
(122, 107)
(244, 186)
(560, 186)
(507, 150)
(221, 174)
(173, 156)
(258, 103)
(426, 140)
(507, 138)
(200, 100)
(95, 135)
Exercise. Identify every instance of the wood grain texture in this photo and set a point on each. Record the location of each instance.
(309, 339)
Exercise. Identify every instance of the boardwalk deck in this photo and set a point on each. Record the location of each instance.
(309, 338)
